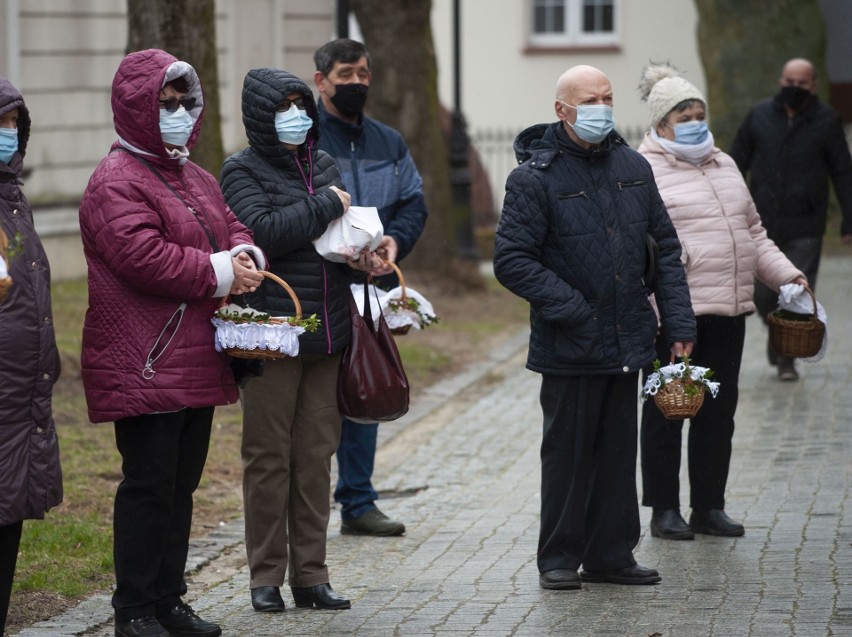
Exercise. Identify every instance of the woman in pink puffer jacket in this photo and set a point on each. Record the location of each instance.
(724, 248)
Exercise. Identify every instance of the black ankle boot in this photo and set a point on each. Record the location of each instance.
(668, 524)
(320, 596)
(714, 522)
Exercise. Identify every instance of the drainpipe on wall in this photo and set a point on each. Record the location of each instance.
(13, 48)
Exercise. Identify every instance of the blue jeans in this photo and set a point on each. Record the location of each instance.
(356, 455)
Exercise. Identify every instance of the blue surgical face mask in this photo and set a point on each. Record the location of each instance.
(594, 122)
(292, 125)
(692, 133)
(175, 128)
(8, 144)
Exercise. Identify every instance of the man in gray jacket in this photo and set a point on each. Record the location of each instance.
(572, 241)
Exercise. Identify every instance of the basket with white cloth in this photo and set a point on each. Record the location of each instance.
(246, 333)
(403, 308)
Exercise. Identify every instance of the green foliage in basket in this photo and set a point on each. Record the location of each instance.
(237, 314)
(412, 305)
(310, 323)
(15, 248)
(787, 315)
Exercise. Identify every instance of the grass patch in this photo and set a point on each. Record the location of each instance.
(67, 555)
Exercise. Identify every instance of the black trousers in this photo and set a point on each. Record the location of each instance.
(589, 505)
(719, 346)
(804, 253)
(163, 456)
(10, 541)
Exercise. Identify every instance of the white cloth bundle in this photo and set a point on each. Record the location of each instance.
(793, 297)
(358, 228)
(395, 318)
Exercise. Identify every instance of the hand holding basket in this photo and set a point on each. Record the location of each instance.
(268, 339)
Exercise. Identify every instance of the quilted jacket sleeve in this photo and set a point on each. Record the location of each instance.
(124, 223)
(670, 288)
(518, 252)
(278, 229)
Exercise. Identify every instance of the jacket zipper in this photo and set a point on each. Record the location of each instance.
(148, 371)
(356, 196)
(325, 308)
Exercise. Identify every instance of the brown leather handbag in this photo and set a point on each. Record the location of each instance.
(372, 385)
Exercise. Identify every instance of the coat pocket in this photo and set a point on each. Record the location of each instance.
(580, 343)
(163, 341)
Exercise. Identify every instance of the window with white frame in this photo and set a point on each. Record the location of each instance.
(560, 23)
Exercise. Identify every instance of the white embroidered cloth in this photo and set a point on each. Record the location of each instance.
(282, 338)
(395, 318)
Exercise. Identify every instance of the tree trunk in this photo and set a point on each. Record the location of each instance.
(404, 94)
(187, 30)
(743, 47)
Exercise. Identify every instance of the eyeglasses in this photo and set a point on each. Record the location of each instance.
(299, 102)
(171, 104)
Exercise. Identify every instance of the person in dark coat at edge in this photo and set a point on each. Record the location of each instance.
(378, 170)
(162, 250)
(30, 473)
(572, 241)
(288, 191)
(788, 147)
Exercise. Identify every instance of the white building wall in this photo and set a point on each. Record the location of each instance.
(502, 86)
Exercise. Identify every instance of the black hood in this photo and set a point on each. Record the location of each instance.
(10, 98)
(264, 90)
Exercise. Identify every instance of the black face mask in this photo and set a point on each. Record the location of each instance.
(794, 96)
(349, 99)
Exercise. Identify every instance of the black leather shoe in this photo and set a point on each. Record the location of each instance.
(322, 596)
(147, 626)
(267, 599)
(560, 579)
(715, 522)
(668, 524)
(182, 621)
(629, 575)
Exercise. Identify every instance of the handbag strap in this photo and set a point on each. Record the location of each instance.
(156, 173)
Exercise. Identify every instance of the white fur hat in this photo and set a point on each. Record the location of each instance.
(663, 88)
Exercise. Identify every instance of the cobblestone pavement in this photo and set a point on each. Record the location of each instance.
(462, 472)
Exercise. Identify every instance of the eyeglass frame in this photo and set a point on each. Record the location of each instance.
(188, 103)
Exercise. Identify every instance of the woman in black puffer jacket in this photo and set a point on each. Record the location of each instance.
(287, 191)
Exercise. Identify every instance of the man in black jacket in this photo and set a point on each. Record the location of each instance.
(790, 145)
(572, 241)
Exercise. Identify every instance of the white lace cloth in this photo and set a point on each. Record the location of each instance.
(282, 338)
(394, 318)
(678, 370)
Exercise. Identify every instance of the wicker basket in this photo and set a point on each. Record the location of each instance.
(675, 403)
(404, 329)
(266, 354)
(5, 282)
(796, 339)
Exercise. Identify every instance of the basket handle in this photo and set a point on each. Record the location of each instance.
(280, 282)
(398, 275)
(4, 243)
(813, 299)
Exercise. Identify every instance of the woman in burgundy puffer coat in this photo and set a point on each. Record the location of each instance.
(162, 249)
